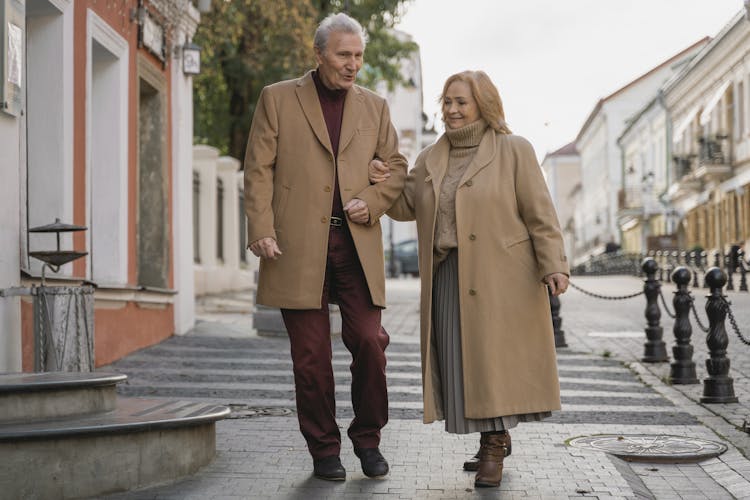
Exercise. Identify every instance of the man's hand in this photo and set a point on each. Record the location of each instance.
(265, 248)
(378, 171)
(358, 211)
(557, 283)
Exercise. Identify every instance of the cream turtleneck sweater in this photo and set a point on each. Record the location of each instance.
(464, 144)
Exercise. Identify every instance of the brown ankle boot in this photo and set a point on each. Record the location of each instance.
(472, 464)
(492, 451)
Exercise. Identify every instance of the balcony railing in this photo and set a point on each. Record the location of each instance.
(683, 165)
(714, 150)
(714, 161)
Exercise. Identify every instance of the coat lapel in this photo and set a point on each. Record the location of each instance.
(350, 120)
(308, 99)
(484, 155)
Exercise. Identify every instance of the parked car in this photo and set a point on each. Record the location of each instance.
(405, 258)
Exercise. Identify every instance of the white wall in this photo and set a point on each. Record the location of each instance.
(182, 193)
(107, 155)
(214, 274)
(49, 122)
(10, 264)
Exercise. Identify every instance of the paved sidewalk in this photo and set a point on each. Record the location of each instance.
(605, 390)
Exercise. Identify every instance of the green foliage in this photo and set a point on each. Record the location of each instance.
(247, 44)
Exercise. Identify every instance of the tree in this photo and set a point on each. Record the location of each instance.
(248, 44)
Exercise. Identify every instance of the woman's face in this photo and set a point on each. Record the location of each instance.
(459, 106)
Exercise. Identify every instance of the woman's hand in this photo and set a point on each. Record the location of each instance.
(378, 171)
(557, 283)
(265, 248)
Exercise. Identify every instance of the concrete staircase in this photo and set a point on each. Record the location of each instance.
(67, 435)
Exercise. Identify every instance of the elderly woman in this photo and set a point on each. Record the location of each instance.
(489, 242)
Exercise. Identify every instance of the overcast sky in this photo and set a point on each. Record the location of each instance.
(552, 60)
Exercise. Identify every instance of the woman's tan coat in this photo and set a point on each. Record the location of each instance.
(508, 240)
(289, 186)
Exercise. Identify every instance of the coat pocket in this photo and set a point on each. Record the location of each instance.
(521, 249)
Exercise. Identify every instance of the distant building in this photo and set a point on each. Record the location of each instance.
(601, 160)
(562, 170)
(405, 104)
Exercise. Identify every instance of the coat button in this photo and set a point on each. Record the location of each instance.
(469, 183)
(472, 237)
(327, 189)
(472, 291)
(324, 219)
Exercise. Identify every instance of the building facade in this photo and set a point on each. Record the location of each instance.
(709, 184)
(98, 121)
(596, 218)
(562, 170)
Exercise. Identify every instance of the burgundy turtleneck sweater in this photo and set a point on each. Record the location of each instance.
(332, 105)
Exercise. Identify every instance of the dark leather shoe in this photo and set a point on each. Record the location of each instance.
(373, 463)
(329, 468)
(472, 464)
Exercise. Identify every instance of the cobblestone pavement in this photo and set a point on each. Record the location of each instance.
(605, 390)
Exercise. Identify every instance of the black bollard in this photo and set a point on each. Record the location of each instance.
(693, 263)
(655, 350)
(554, 305)
(659, 265)
(718, 387)
(704, 265)
(743, 271)
(729, 266)
(682, 370)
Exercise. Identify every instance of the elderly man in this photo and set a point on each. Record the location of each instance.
(313, 219)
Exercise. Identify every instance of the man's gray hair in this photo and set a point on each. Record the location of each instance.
(339, 23)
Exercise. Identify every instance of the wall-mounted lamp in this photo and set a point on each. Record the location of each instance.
(191, 59)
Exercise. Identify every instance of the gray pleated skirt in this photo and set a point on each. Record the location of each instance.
(446, 341)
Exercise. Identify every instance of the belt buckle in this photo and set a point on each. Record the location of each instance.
(337, 221)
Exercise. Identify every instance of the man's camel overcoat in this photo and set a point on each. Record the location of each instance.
(508, 240)
(289, 180)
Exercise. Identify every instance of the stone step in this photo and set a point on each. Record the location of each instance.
(40, 396)
(139, 443)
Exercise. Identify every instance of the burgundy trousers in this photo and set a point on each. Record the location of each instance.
(310, 337)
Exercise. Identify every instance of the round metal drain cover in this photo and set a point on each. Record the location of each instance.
(651, 447)
(245, 411)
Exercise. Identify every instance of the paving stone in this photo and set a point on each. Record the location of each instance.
(606, 390)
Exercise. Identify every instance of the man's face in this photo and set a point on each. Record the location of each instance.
(339, 63)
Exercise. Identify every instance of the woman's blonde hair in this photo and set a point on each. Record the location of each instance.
(485, 93)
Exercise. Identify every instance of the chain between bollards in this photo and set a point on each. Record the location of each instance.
(703, 327)
(605, 297)
(735, 327)
(664, 303)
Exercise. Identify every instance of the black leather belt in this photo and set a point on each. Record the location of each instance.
(337, 221)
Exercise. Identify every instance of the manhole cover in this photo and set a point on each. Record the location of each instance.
(245, 411)
(651, 447)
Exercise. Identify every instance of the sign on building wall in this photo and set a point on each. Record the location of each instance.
(12, 24)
